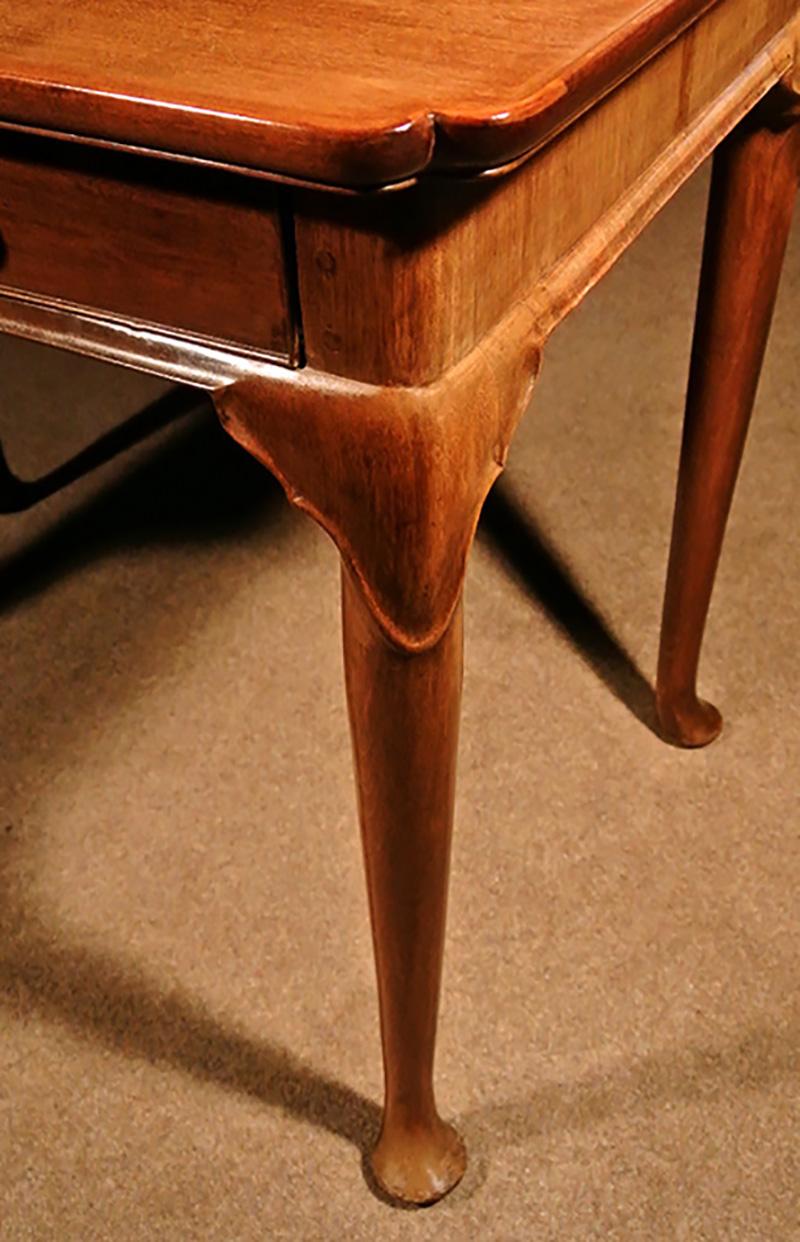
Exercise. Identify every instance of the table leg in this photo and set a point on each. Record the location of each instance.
(404, 714)
(752, 195)
(398, 477)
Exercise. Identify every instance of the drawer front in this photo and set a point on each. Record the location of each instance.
(194, 250)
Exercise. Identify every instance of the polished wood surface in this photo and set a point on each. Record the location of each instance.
(396, 476)
(198, 251)
(404, 716)
(753, 193)
(455, 256)
(358, 94)
(407, 327)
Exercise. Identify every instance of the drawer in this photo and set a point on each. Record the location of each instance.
(197, 251)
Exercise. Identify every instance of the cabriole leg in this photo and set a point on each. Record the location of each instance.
(753, 190)
(404, 714)
(398, 477)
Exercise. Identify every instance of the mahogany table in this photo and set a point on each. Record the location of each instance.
(356, 225)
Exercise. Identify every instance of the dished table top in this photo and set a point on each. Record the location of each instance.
(346, 92)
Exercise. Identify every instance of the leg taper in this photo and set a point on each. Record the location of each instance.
(397, 476)
(404, 712)
(753, 190)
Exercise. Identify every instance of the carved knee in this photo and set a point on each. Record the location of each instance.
(396, 476)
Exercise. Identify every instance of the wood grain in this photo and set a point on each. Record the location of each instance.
(425, 312)
(404, 716)
(200, 252)
(396, 476)
(454, 256)
(360, 93)
(753, 193)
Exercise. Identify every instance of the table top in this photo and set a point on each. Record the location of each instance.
(346, 92)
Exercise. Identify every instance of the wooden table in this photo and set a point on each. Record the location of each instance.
(356, 225)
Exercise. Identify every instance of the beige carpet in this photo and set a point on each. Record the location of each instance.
(188, 1040)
